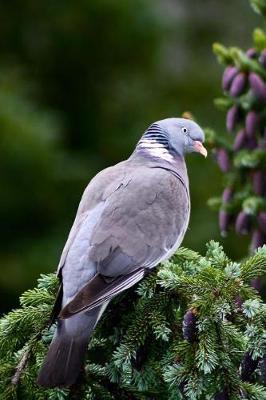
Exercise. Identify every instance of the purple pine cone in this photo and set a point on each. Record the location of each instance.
(232, 117)
(224, 222)
(263, 370)
(239, 301)
(262, 58)
(243, 223)
(222, 395)
(258, 239)
(248, 366)
(238, 85)
(256, 283)
(259, 182)
(251, 143)
(251, 53)
(227, 194)
(223, 160)
(228, 76)
(252, 123)
(258, 86)
(262, 221)
(190, 326)
(240, 140)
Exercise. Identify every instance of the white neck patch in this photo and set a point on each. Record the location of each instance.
(155, 149)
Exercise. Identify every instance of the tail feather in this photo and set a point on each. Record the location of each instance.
(67, 351)
(63, 363)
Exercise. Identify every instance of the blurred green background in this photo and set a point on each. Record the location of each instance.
(79, 83)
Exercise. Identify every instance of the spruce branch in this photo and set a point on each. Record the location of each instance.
(21, 366)
(140, 349)
(255, 265)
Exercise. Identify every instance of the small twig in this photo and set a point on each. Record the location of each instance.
(24, 359)
(20, 367)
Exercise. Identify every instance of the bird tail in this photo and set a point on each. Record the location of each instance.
(67, 351)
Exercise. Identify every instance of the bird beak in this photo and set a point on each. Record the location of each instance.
(199, 148)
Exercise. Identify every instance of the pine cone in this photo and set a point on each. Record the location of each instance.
(240, 140)
(190, 326)
(222, 395)
(229, 73)
(227, 194)
(224, 221)
(256, 283)
(238, 85)
(258, 86)
(223, 160)
(259, 182)
(232, 117)
(262, 221)
(243, 223)
(239, 302)
(263, 370)
(258, 239)
(247, 367)
(251, 143)
(252, 123)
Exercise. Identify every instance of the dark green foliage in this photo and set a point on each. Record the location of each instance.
(138, 350)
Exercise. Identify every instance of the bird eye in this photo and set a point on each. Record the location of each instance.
(184, 130)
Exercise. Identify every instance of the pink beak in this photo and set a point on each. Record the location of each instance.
(199, 148)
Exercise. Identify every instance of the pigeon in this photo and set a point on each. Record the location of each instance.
(131, 217)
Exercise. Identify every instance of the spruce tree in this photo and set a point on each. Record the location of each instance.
(193, 329)
(241, 152)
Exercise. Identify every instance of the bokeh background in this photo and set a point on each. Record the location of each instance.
(79, 83)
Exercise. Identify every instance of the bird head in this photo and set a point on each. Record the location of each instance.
(183, 135)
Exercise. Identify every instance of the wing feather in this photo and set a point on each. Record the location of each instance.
(143, 219)
(98, 291)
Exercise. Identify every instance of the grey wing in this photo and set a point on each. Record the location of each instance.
(141, 224)
(98, 291)
(97, 191)
(67, 291)
(75, 268)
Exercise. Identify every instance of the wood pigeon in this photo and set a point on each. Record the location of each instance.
(131, 217)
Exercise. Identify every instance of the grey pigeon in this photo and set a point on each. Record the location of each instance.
(131, 217)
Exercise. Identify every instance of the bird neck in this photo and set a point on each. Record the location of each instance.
(153, 149)
(154, 143)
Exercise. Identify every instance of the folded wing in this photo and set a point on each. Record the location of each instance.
(143, 220)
